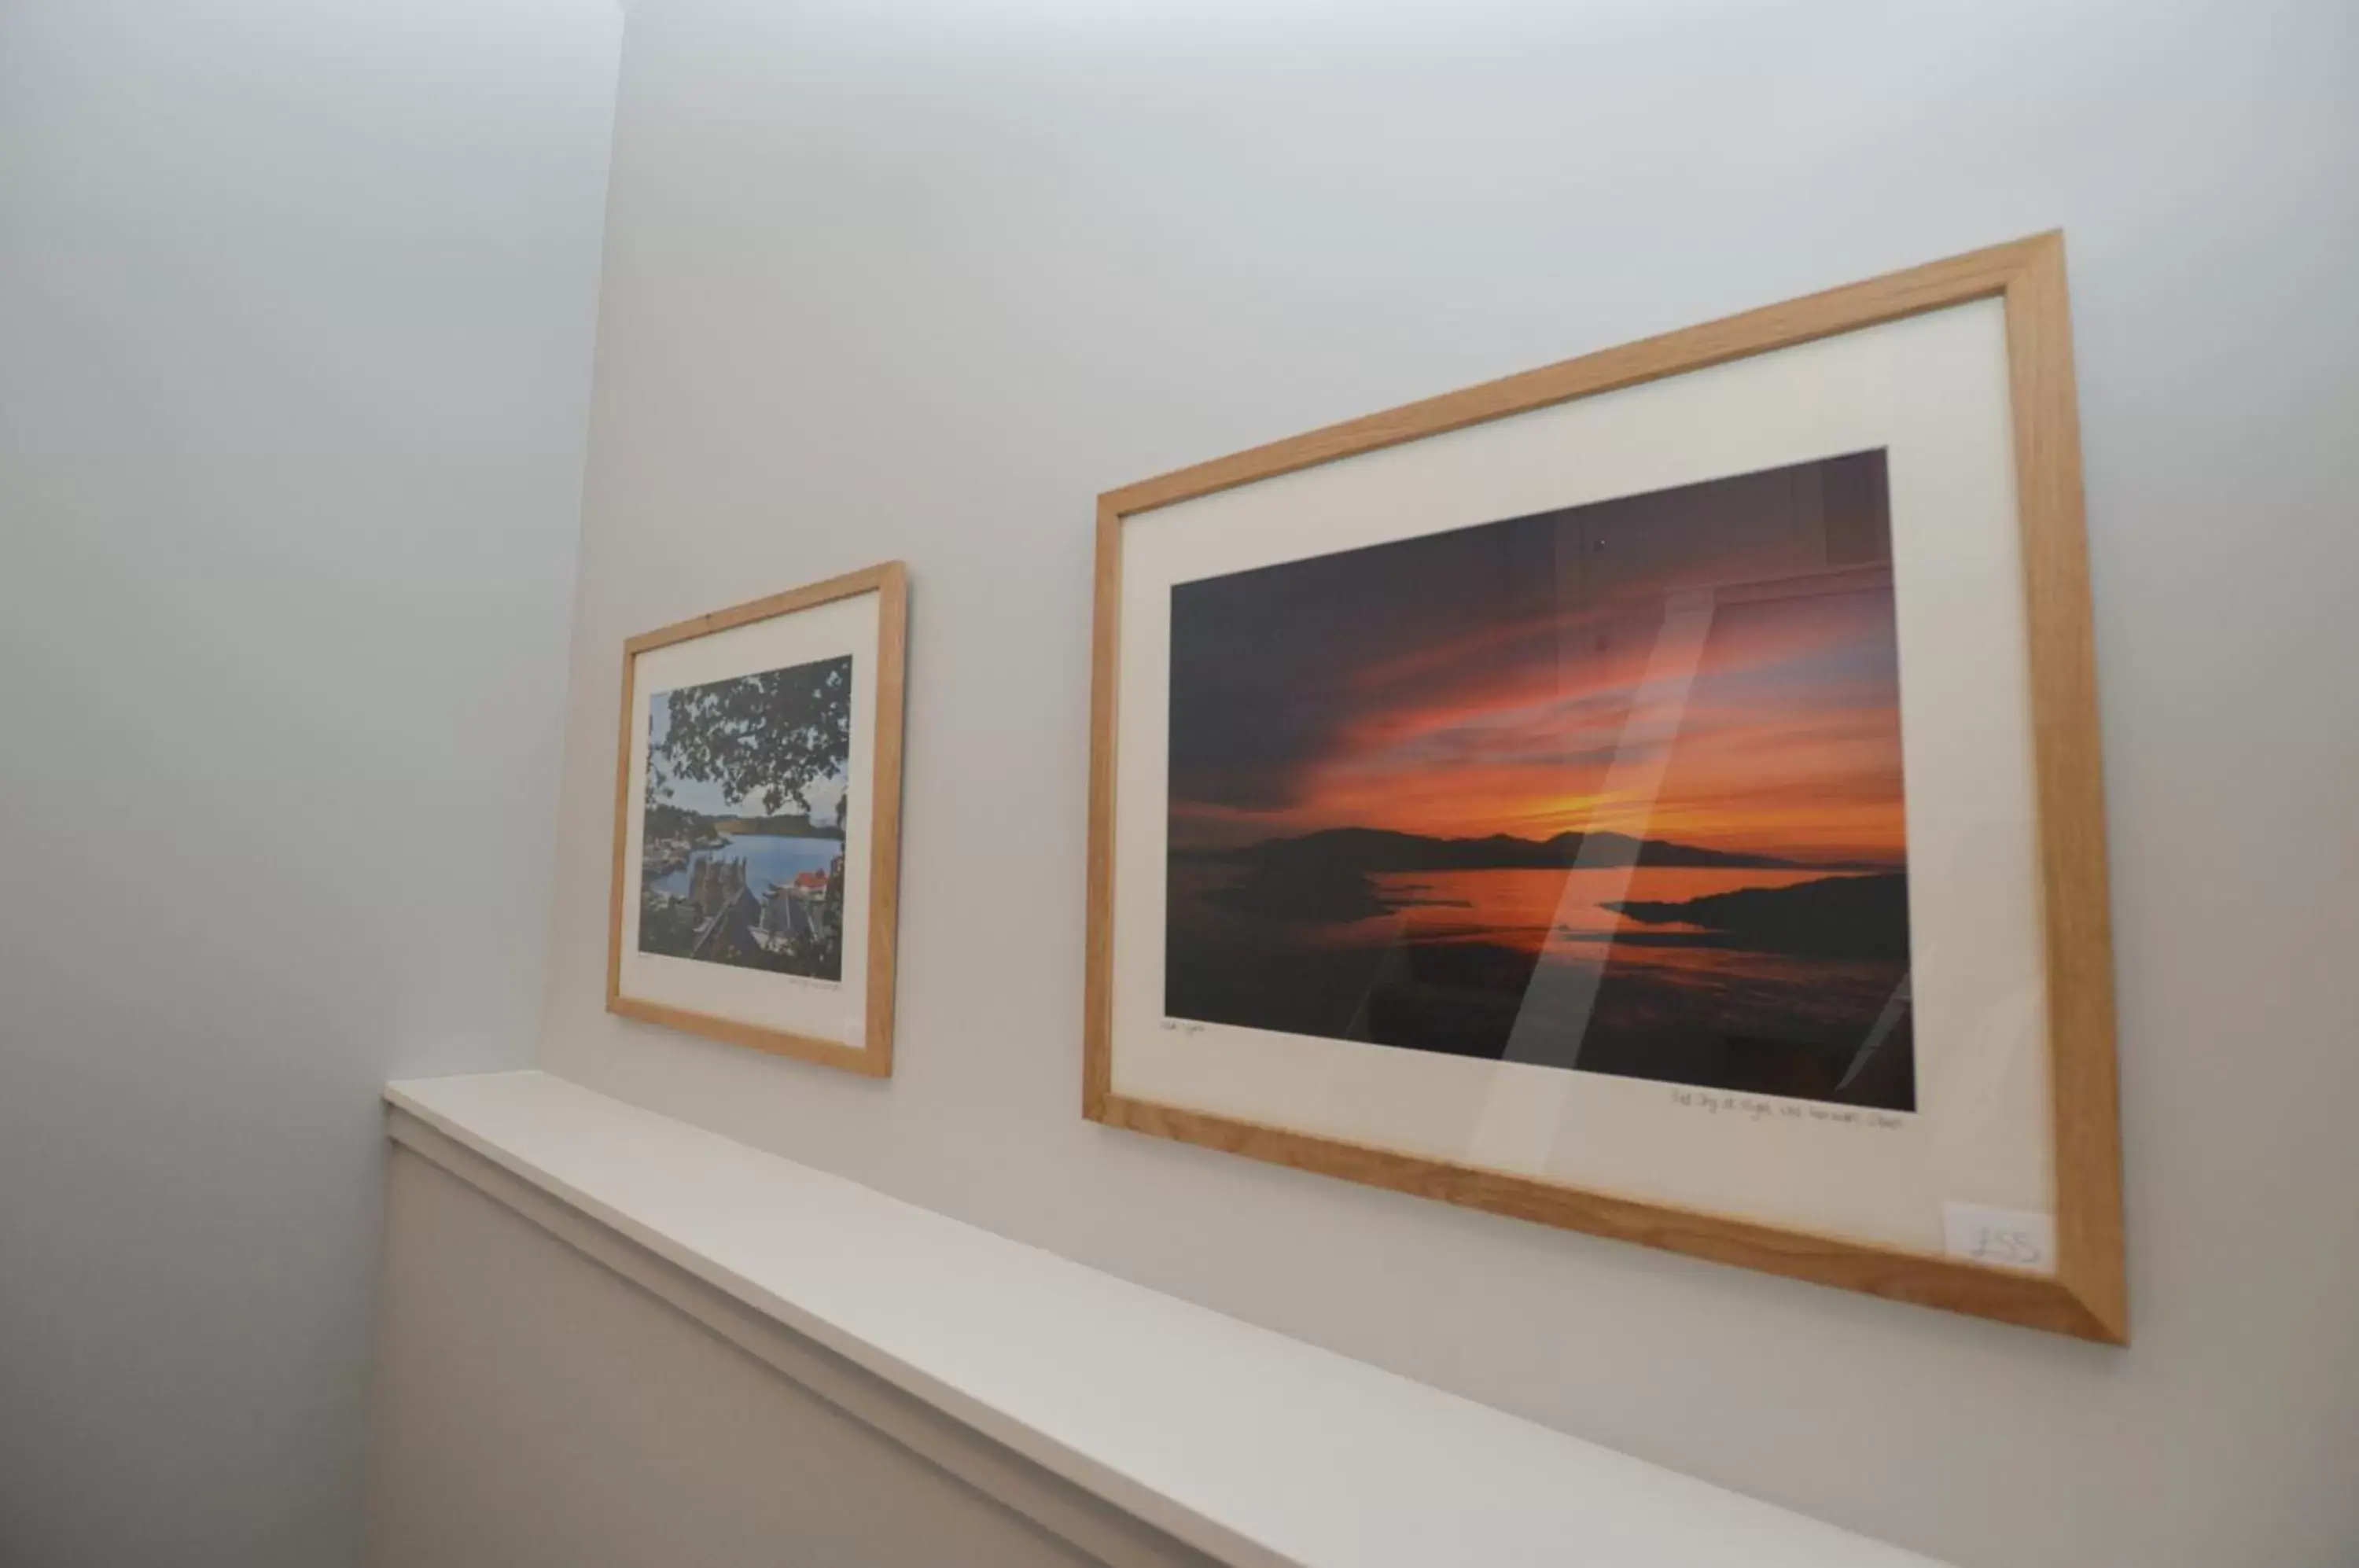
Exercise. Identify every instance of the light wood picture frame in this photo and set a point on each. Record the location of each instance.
(1997, 319)
(808, 685)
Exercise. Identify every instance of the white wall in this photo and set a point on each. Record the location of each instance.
(920, 280)
(296, 309)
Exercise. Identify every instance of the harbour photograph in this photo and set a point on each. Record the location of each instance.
(742, 858)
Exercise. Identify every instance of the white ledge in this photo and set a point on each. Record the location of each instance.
(1248, 1446)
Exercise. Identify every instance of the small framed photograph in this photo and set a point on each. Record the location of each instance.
(1656, 795)
(758, 822)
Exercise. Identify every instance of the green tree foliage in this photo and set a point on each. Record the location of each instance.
(672, 821)
(766, 737)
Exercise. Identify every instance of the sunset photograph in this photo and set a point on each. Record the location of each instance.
(1615, 788)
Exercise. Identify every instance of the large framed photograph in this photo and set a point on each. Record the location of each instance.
(758, 822)
(1657, 795)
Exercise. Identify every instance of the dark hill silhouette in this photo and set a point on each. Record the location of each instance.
(1864, 916)
(1381, 849)
(1326, 878)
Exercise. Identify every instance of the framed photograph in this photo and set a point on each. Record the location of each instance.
(758, 822)
(1656, 795)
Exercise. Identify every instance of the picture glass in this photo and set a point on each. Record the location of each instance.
(1634, 794)
(746, 830)
(1615, 788)
(745, 803)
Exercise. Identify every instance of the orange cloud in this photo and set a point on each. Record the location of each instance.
(1783, 738)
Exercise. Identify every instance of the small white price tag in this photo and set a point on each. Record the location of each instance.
(2009, 1238)
(856, 1032)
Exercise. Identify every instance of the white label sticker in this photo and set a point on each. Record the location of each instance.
(856, 1032)
(2007, 1239)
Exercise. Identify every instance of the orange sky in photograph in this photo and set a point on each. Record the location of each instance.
(1585, 671)
(1781, 745)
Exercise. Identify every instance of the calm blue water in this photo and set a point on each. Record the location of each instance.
(768, 859)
